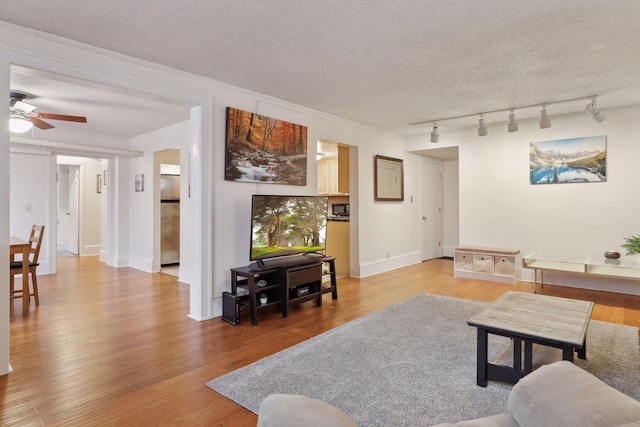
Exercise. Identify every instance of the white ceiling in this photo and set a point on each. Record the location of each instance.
(109, 110)
(385, 63)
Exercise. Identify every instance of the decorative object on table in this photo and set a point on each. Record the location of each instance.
(263, 298)
(388, 179)
(611, 254)
(632, 245)
(568, 160)
(265, 150)
(139, 182)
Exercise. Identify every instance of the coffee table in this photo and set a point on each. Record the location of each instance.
(530, 318)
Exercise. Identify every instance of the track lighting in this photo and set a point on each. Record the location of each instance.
(544, 120)
(596, 115)
(434, 133)
(482, 129)
(544, 123)
(513, 125)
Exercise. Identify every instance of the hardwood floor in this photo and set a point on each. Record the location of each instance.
(113, 346)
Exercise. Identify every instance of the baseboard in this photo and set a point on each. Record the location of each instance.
(393, 263)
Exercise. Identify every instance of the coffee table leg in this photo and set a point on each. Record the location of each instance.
(582, 352)
(483, 341)
(528, 357)
(567, 353)
(517, 354)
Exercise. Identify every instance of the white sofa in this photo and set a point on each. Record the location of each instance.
(559, 394)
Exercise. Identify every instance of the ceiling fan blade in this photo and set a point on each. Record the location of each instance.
(40, 124)
(78, 119)
(25, 107)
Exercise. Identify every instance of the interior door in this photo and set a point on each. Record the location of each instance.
(74, 207)
(431, 208)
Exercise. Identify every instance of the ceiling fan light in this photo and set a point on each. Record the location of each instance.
(513, 125)
(435, 137)
(544, 120)
(482, 129)
(18, 124)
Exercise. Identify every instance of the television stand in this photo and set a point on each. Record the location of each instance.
(284, 283)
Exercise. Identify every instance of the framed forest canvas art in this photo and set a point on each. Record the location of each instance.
(263, 149)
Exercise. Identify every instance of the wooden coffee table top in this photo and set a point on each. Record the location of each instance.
(541, 317)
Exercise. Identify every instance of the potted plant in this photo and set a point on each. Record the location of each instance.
(263, 298)
(632, 245)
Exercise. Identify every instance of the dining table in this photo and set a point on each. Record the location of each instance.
(19, 246)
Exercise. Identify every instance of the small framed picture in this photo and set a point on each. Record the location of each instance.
(139, 182)
(388, 179)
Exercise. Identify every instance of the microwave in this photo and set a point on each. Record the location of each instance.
(340, 209)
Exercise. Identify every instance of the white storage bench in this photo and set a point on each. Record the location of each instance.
(490, 264)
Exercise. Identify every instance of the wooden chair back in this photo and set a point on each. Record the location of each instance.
(37, 231)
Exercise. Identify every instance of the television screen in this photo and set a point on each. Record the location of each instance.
(287, 225)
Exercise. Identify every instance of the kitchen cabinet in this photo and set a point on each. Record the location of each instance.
(333, 173)
(338, 245)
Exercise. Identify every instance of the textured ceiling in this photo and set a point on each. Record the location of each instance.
(386, 63)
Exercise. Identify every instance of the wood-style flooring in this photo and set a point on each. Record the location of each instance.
(114, 347)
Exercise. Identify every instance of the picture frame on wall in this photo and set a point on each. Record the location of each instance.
(139, 182)
(99, 183)
(388, 178)
(571, 160)
(264, 150)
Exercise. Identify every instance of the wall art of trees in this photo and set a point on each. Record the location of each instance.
(264, 149)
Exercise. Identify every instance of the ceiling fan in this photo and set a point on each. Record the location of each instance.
(24, 116)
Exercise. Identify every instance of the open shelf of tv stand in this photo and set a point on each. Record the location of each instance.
(281, 280)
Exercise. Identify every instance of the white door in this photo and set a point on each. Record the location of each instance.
(74, 223)
(431, 209)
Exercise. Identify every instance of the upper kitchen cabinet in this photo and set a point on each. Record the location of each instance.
(333, 170)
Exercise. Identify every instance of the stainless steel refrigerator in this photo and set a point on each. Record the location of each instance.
(169, 219)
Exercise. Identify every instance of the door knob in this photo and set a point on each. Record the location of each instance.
(424, 218)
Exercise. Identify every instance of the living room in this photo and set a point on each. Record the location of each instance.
(497, 205)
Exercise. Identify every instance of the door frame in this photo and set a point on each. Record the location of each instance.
(426, 191)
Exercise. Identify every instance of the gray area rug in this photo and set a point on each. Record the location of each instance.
(413, 363)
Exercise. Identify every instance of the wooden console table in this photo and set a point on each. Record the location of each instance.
(592, 266)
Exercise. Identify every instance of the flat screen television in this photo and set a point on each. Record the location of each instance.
(287, 225)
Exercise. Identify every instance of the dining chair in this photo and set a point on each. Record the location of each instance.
(16, 266)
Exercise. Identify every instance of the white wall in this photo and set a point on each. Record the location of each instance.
(499, 208)
(29, 187)
(145, 206)
(450, 207)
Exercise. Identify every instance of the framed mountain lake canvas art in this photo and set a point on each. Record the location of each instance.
(568, 160)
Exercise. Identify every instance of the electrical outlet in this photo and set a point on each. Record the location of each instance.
(387, 255)
(27, 208)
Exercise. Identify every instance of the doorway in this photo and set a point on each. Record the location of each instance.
(82, 202)
(68, 223)
(431, 208)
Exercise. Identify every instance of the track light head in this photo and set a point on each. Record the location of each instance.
(513, 125)
(544, 120)
(434, 133)
(596, 115)
(482, 129)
